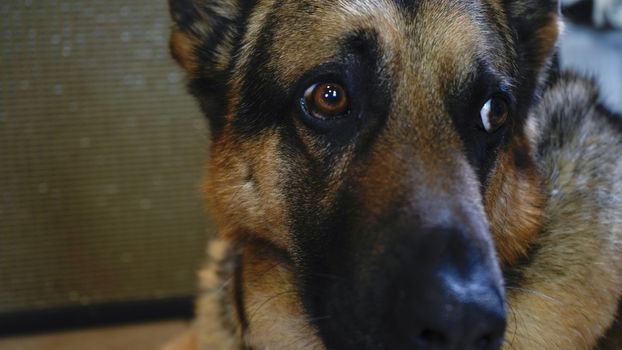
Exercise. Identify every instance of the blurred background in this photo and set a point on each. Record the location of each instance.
(592, 44)
(101, 153)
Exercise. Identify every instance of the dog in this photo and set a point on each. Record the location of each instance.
(401, 174)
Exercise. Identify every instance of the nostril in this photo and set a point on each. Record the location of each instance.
(484, 342)
(488, 341)
(428, 338)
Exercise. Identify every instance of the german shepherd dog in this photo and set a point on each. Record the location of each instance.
(401, 174)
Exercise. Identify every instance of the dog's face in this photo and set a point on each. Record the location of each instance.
(368, 157)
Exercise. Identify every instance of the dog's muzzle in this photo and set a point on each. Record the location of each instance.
(427, 289)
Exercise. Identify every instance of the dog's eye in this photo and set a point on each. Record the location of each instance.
(494, 114)
(326, 101)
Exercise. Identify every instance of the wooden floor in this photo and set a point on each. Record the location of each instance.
(135, 337)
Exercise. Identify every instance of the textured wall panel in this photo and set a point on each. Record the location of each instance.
(101, 154)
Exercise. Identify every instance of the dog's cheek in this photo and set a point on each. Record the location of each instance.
(272, 307)
(513, 204)
(242, 188)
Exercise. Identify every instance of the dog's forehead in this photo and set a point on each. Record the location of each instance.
(414, 37)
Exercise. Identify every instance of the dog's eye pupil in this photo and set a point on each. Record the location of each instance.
(326, 101)
(494, 114)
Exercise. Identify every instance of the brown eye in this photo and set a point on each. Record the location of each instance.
(326, 101)
(494, 114)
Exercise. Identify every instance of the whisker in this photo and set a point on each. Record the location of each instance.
(513, 313)
(536, 293)
(319, 318)
(328, 276)
(268, 300)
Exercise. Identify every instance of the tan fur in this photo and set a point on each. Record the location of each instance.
(547, 37)
(216, 326)
(328, 23)
(513, 203)
(182, 46)
(242, 192)
(275, 316)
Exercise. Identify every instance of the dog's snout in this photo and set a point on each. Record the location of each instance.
(448, 293)
(415, 286)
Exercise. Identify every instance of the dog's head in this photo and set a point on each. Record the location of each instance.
(368, 157)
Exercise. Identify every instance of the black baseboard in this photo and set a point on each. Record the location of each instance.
(97, 315)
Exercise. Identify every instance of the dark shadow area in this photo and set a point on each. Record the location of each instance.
(97, 315)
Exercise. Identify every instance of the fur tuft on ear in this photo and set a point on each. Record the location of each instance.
(182, 47)
(206, 31)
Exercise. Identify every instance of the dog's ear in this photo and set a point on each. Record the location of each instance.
(205, 32)
(536, 25)
(204, 38)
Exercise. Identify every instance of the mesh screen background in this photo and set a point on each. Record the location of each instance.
(101, 153)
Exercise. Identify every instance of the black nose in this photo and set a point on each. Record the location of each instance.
(459, 325)
(449, 296)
